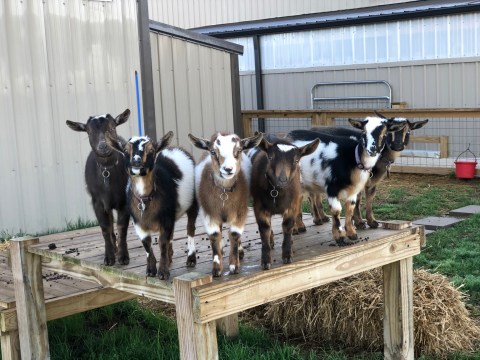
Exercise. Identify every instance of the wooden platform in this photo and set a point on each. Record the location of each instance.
(202, 302)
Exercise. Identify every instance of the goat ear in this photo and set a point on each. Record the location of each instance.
(164, 141)
(309, 148)
(417, 124)
(123, 117)
(264, 145)
(393, 125)
(199, 142)
(76, 126)
(359, 124)
(252, 141)
(117, 145)
(380, 115)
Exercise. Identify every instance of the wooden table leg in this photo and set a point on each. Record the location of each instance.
(197, 341)
(29, 300)
(228, 325)
(398, 334)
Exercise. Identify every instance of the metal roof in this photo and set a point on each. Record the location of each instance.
(409, 10)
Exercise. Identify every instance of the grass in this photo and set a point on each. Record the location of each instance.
(132, 331)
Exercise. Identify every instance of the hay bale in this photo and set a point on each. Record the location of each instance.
(349, 313)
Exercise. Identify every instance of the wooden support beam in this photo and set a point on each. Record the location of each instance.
(197, 341)
(10, 344)
(30, 305)
(228, 325)
(398, 310)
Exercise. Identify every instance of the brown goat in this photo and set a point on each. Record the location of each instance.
(276, 189)
(222, 188)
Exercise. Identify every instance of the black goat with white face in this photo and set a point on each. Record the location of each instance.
(395, 143)
(341, 166)
(106, 181)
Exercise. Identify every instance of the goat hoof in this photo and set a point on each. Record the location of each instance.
(191, 260)
(164, 275)
(124, 260)
(234, 269)
(216, 273)
(318, 221)
(287, 260)
(151, 273)
(360, 225)
(266, 266)
(108, 261)
(374, 225)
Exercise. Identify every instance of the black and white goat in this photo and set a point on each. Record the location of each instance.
(341, 166)
(222, 180)
(160, 190)
(395, 144)
(106, 180)
(276, 189)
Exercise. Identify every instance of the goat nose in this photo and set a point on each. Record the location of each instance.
(102, 146)
(228, 170)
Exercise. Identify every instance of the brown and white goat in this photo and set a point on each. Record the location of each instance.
(106, 180)
(222, 180)
(395, 144)
(161, 189)
(276, 189)
(341, 166)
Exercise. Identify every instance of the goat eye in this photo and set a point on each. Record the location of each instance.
(270, 158)
(213, 152)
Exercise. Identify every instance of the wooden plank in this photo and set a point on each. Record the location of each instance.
(10, 344)
(221, 299)
(197, 341)
(32, 319)
(423, 170)
(398, 310)
(69, 305)
(443, 147)
(228, 325)
(425, 139)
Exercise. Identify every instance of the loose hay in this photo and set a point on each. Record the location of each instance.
(349, 313)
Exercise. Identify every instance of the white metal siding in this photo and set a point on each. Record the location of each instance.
(193, 90)
(59, 60)
(196, 13)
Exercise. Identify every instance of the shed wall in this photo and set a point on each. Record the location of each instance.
(195, 13)
(193, 89)
(59, 60)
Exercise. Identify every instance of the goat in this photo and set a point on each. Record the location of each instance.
(396, 142)
(341, 167)
(106, 181)
(160, 190)
(222, 180)
(276, 189)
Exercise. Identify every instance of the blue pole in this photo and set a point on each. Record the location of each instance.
(138, 105)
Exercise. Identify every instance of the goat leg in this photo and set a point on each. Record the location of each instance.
(166, 252)
(370, 195)
(234, 256)
(287, 227)
(217, 253)
(265, 230)
(122, 227)
(191, 218)
(357, 216)
(151, 260)
(105, 220)
(335, 209)
(319, 216)
(349, 228)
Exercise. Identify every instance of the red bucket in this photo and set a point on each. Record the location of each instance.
(465, 169)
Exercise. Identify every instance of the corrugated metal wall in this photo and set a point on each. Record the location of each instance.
(59, 60)
(195, 13)
(193, 89)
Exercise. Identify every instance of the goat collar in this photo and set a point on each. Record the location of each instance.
(143, 201)
(223, 188)
(274, 192)
(359, 160)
